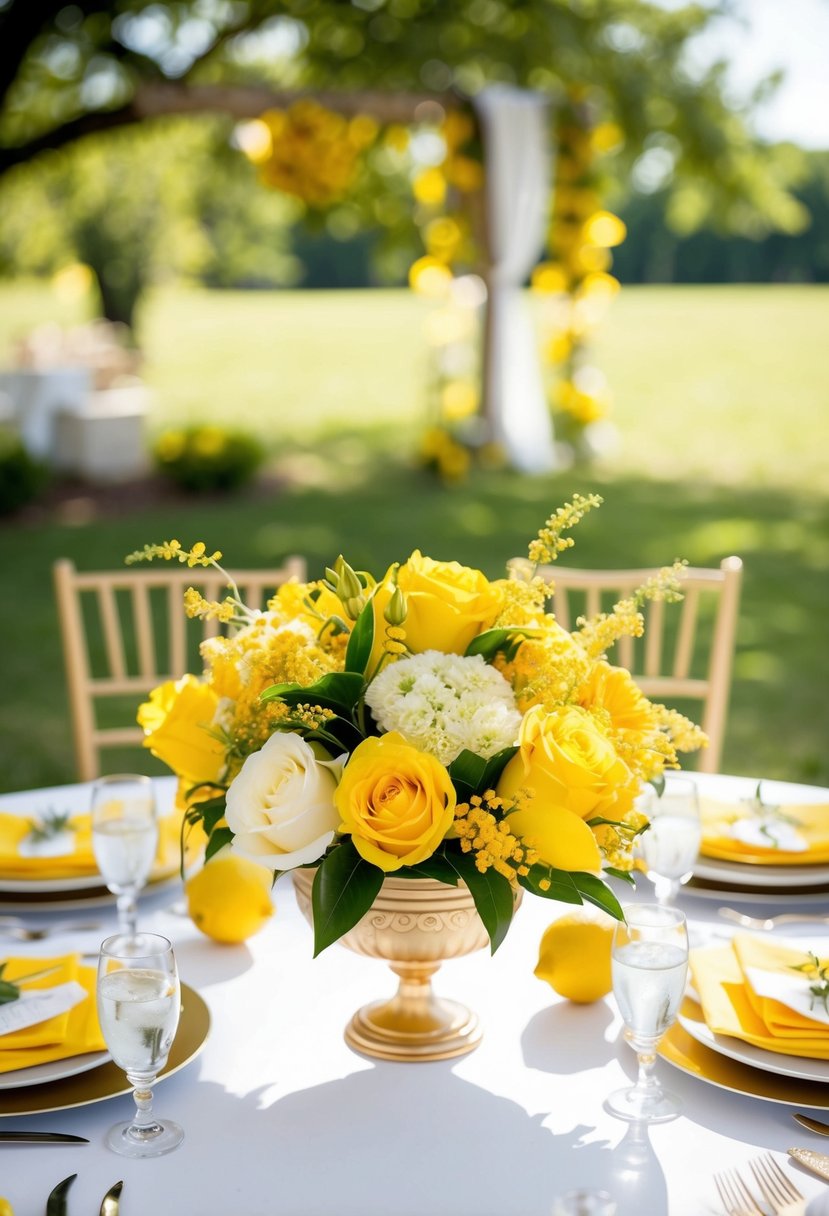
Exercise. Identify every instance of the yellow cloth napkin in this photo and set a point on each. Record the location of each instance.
(811, 822)
(69, 1034)
(731, 1009)
(81, 861)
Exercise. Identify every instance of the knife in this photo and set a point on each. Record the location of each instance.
(40, 1138)
(818, 1163)
(814, 1125)
(110, 1201)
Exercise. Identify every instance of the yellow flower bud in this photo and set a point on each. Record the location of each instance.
(349, 586)
(354, 605)
(396, 609)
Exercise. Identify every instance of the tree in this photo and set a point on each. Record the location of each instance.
(67, 70)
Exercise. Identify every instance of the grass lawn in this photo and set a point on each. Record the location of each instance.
(721, 407)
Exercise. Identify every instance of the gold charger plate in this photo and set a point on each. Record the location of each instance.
(109, 1081)
(69, 901)
(708, 889)
(689, 1056)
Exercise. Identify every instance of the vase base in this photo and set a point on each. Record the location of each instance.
(382, 1031)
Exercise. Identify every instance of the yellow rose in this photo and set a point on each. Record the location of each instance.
(569, 772)
(175, 722)
(396, 803)
(448, 604)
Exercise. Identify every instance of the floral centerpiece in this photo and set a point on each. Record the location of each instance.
(424, 723)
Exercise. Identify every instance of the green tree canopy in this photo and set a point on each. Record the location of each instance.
(67, 70)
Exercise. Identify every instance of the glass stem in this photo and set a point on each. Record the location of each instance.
(143, 1125)
(666, 890)
(127, 913)
(646, 1082)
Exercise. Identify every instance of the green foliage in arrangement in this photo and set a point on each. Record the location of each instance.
(203, 459)
(22, 477)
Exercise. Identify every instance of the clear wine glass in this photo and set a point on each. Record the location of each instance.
(649, 966)
(139, 1001)
(670, 846)
(124, 838)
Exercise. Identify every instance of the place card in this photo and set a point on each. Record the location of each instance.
(39, 1005)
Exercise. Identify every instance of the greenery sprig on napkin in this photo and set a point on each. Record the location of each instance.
(10, 989)
(817, 971)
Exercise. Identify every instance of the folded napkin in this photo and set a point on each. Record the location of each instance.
(71, 855)
(739, 999)
(794, 835)
(67, 1034)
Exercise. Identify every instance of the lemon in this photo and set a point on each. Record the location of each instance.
(574, 956)
(229, 898)
(6, 1208)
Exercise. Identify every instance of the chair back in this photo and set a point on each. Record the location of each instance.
(125, 631)
(675, 660)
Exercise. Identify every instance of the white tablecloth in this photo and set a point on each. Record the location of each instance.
(283, 1119)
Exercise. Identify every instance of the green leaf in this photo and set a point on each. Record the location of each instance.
(598, 893)
(8, 992)
(488, 643)
(562, 889)
(361, 641)
(495, 767)
(344, 889)
(436, 867)
(623, 875)
(208, 812)
(492, 893)
(336, 690)
(468, 767)
(219, 837)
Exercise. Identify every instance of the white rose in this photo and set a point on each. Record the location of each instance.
(280, 806)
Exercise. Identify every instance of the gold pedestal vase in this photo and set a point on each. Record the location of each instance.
(414, 925)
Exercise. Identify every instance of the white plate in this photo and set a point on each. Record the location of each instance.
(55, 1070)
(801, 1067)
(74, 799)
(744, 874)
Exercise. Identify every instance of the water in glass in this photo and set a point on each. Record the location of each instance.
(124, 838)
(138, 1010)
(670, 846)
(649, 968)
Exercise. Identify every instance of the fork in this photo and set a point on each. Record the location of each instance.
(22, 933)
(736, 1198)
(777, 1189)
(771, 922)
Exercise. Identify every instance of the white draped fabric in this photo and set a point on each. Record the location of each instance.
(518, 160)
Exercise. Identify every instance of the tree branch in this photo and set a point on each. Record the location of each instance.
(155, 99)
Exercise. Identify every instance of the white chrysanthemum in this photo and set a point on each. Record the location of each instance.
(443, 703)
